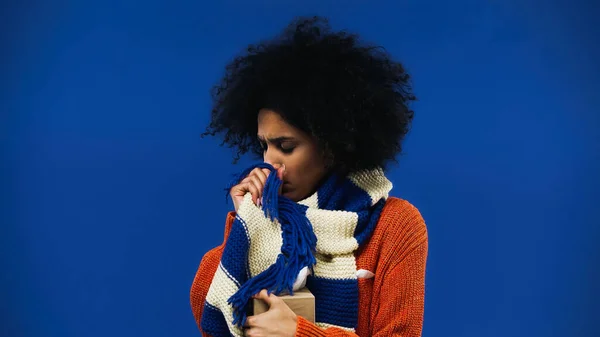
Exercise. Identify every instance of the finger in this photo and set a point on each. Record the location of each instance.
(262, 174)
(264, 295)
(281, 171)
(252, 332)
(240, 189)
(248, 184)
(253, 190)
(267, 172)
(257, 181)
(276, 167)
(259, 186)
(250, 322)
(241, 183)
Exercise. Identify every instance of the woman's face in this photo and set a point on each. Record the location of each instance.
(285, 144)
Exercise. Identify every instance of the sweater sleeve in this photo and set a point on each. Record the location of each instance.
(397, 306)
(204, 275)
(402, 297)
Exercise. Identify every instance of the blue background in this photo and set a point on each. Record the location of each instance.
(110, 198)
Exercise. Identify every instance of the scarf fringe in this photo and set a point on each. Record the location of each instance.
(297, 251)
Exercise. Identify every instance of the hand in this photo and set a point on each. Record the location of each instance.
(255, 184)
(279, 320)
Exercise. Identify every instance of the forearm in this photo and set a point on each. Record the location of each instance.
(306, 328)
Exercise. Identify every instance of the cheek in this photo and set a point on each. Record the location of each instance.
(304, 173)
(303, 167)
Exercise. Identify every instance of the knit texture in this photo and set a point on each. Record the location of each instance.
(390, 304)
(267, 248)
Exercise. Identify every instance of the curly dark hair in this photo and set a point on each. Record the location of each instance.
(351, 97)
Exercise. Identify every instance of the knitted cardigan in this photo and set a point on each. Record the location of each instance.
(390, 303)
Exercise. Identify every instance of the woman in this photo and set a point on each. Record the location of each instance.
(323, 109)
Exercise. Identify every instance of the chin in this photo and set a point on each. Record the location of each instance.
(293, 196)
(290, 195)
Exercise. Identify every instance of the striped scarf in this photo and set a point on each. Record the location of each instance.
(269, 247)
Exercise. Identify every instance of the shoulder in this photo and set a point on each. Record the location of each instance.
(400, 230)
(401, 213)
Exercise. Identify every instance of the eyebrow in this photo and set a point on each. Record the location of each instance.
(277, 139)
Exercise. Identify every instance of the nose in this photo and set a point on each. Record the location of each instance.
(271, 157)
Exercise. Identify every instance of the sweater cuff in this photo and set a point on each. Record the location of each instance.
(305, 328)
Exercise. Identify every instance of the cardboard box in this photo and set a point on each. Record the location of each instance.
(302, 304)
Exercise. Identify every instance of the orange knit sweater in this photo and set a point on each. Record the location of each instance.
(391, 303)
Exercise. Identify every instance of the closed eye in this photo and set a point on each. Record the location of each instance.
(283, 144)
(286, 148)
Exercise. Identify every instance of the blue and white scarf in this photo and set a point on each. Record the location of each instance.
(268, 248)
